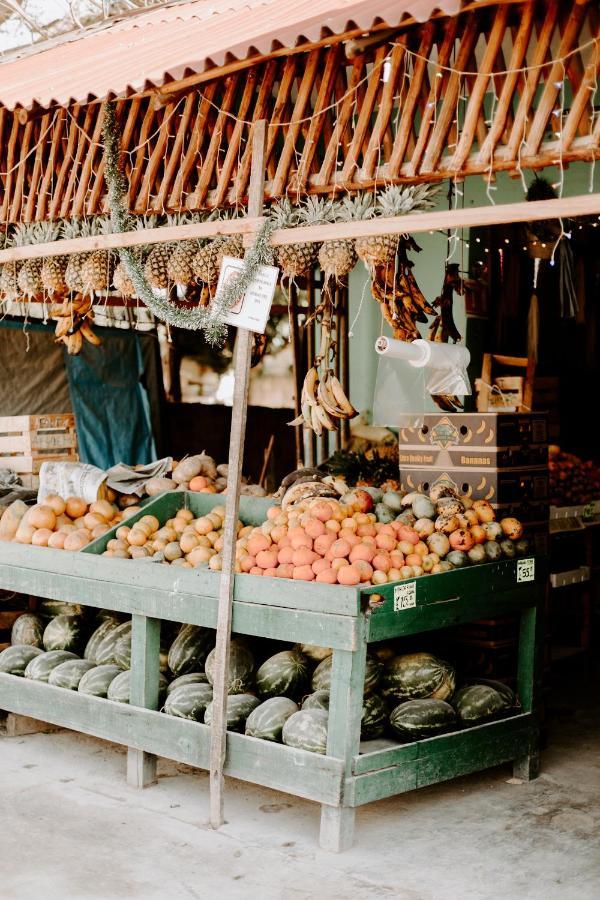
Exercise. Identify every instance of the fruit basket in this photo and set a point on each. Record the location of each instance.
(346, 619)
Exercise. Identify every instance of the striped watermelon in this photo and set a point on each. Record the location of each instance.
(318, 700)
(321, 679)
(478, 702)
(122, 651)
(241, 668)
(307, 730)
(283, 675)
(15, 659)
(239, 707)
(68, 674)
(188, 701)
(28, 629)
(119, 688)
(268, 719)
(416, 676)
(63, 633)
(190, 678)
(416, 719)
(374, 717)
(96, 681)
(105, 649)
(106, 627)
(190, 648)
(39, 668)
(511, 701)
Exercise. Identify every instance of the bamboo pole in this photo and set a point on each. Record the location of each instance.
(243, 349)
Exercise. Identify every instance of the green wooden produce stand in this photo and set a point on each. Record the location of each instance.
(346, 619)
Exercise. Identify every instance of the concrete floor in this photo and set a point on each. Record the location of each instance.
(71, 828)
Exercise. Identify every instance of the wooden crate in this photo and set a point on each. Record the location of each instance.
(28, 441)
(351, 773)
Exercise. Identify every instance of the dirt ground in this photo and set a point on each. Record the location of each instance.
(70, 827)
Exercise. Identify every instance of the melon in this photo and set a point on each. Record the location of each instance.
(40, 667)
(15, 659)
(318, 700)
(416, 719)
(508, 695)
(188, 701)
(96, 681)
(321, 679)
(104, 652)
(477, 703)
(239, 707)
(307, 730)
(374, 717)
(119, 688)
(190, 648)
(68, 674)
(266, 721)
(122, 651)
(107, 626)
(283, 675)
(190, 678)
(241, 668)
(63, 633)
(416, 676)
(28, 629)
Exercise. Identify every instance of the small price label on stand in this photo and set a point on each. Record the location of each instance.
(525, 570)
(405, 596)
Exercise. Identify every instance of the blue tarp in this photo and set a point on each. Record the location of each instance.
(110, 402)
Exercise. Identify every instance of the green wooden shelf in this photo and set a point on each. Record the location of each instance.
(346, 619)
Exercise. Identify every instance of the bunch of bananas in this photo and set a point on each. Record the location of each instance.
(73, 323)
(323, 402)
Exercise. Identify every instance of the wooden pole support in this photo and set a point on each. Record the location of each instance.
(243, 349)
(145, 653)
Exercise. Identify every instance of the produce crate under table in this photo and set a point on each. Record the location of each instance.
(346, 619)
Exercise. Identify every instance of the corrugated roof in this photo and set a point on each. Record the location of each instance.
(169, 43)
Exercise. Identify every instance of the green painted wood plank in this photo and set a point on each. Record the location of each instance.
(282, 768)
(478, 736)
(143, 691)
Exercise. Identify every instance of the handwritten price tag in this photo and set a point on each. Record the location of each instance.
(405, 596)
(525, 570)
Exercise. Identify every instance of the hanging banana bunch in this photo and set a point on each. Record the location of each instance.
(443, 328)
(73, 323)
(323, 401)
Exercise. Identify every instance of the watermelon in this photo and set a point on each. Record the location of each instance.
(39, 668)
(122, 651)
(321, 680)
(317, 654)
(14, 660)
(104, 652)
(188, 701)
(268, 719)
(48, 609)
(96, 681)
(239, 707)
(374, 717)
(307, 730)
(318, 700)
(106, 627)
(63, 633)
(190, 648)
(68, 674)
(477, 702)
(190, 678)
(241, 668)
(28, 629)
(415, 719)
(118, 689)
(416, 676)
(283, 675)
(511, 700)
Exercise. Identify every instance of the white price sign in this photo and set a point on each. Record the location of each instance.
(252, 310)
(405, 596)
(525, 569)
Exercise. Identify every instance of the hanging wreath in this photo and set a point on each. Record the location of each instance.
(210, 320)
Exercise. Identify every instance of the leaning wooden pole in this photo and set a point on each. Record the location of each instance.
(243, 347)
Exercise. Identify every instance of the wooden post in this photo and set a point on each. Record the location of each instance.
(145, 653)
(243, 349)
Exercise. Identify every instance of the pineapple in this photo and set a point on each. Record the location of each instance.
(380, 250)
(122, 282)
(96, 271)
(232, 245)
(337, 258)
(74, 271)
(181, 253)
(9, 285)
(205, 264)
(29, 278)
(54, 267)
(155, 268)
(297, 259)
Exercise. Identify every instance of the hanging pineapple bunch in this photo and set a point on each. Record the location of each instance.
(29, 279)
(121, 280)
(98, 267)
(337, 257)
(74, 270)
(380, 250)
(231, 244)
(9, 277)
(157, 261)
(55, 267)
(209, 255)
(296, 260)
